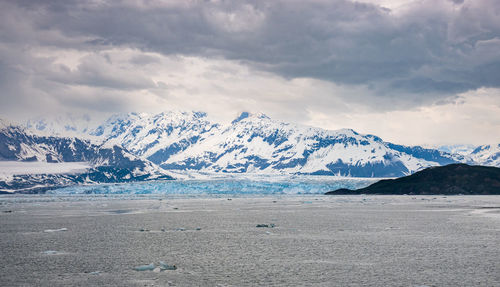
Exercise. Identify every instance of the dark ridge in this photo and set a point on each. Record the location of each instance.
(451, 179)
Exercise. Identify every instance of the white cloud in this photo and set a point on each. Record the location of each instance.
(471, 118)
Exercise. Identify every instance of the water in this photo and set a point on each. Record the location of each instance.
(316, 241)
(230, 186)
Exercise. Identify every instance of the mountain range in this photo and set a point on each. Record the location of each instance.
(189, 142)
(254, 143)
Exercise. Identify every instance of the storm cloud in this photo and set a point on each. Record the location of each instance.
(343, 54)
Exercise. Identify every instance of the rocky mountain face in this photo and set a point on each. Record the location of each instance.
(108, 163)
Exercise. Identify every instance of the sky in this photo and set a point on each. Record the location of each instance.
(416, 72)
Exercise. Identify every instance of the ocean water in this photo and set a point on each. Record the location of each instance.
(100, 240)
(234, 186)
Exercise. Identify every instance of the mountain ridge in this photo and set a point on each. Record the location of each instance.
(254, 143)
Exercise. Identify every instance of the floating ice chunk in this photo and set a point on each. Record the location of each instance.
(149, 267)
(55, 230)
(272, 225)
(51, 252)
(165, 266)
(391, 228)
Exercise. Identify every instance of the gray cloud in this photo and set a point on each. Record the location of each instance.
(338, 41)
(424, 53)
(99, 71)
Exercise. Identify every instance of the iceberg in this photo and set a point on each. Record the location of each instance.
(55, 230)
(149, 267)
(165, 266)
(52, 252)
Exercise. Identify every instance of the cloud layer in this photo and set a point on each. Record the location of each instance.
(303, 61)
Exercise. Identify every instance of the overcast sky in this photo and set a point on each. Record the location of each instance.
(412, 72)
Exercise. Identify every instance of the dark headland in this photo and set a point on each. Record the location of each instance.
(446, 180)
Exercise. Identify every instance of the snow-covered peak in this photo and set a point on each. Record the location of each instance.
(246, 116)
(460, 149)
(148, 134)
(486, 155)
(255, 122)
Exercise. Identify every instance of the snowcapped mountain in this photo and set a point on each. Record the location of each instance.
(463, 150)
(156, 137)
(479, 155)
(106, 163)
(254, 143)
(486, 155)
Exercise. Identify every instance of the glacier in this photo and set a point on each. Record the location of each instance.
(236, 185)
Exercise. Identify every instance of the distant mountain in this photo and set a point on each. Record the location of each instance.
(447, 180)
(156, 137)
(253, 143)
(108, 163)
(61, 125)
(459, 149)
(486, 155)
(135, 146)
